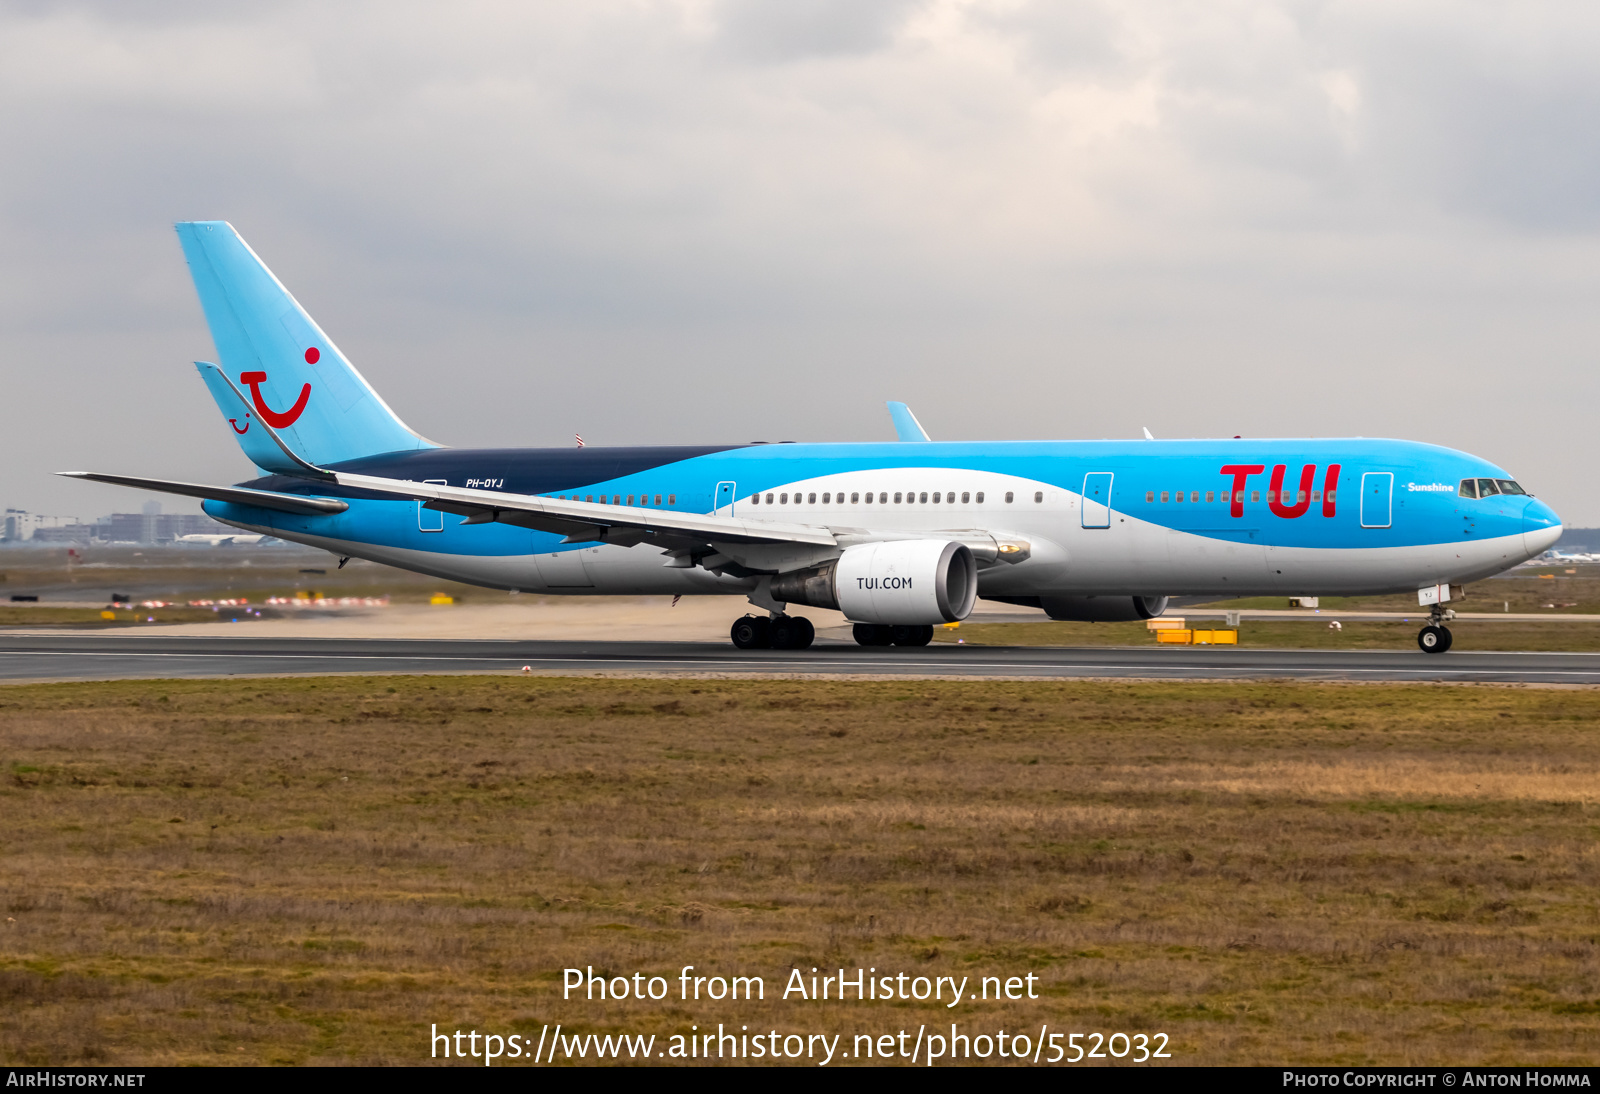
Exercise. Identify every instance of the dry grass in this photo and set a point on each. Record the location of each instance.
(189, 573)
(1311, 634)
(314, 871)
(1571, 590)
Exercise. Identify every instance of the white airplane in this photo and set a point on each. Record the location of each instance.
(899, 537)
(223, 539)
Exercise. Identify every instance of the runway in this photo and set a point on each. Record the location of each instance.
(31, 657)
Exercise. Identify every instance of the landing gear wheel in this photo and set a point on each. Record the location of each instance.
(872, 634)
(753, 632)
(1434, 639)
(791, 632)
(912, 636)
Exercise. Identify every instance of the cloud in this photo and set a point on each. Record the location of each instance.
(697, 220)
(807, 28)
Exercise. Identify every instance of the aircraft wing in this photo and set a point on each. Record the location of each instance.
(266, 499)
(578, 521)
(581, 521)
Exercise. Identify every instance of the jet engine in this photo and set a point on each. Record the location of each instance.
(911, 582)
(1103, 609)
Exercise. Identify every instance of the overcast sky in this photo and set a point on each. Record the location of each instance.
(723, 221)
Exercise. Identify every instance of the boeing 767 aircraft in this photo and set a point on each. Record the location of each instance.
(900, 537)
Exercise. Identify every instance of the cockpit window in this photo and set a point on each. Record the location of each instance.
(1487, 487)
(1469, 488)
(1509, 487)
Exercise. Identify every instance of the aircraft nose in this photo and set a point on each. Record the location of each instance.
(1541, 527)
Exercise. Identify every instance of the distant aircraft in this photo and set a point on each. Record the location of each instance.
(900, 536)
(221, 539)
(1567, 556)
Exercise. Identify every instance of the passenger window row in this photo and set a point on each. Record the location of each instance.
(904, 497)
(1226, 497)
(616, 499)
(1488, 488)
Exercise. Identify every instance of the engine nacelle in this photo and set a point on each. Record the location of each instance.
(1103, 609)
(908, 582)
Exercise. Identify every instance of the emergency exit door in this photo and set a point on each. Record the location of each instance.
(1097, 499)
(430, 520)
(724, 499)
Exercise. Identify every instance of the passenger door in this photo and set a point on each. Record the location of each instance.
(1377, 499)
(1097, 499)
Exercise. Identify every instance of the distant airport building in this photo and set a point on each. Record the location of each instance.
(149, 527)
(23, 525)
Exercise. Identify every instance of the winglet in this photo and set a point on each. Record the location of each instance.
(261, 456)
(1147, 434)
(906, 426)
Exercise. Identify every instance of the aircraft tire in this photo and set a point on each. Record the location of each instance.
(912, 636)
(792, 632)
(872, 634)
(1433, 639)
(752, 632)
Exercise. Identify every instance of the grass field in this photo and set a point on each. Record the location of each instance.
(1291, 634)
(315, 871)
(1549, 590)
(1572, 590)
(184, 573)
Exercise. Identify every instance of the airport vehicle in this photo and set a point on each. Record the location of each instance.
(900, 537)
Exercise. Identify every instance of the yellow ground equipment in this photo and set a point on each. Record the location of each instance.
(1172, 632)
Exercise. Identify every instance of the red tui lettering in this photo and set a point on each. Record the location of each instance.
(1240, 472)
(1275, 492)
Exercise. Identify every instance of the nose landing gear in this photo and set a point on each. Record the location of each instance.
(1435, 637)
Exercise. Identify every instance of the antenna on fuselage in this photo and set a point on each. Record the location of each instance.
(906, 426)
(1147, 434)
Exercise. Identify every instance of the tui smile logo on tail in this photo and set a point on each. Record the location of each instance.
(276, 419)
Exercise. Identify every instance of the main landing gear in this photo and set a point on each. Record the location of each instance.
(876, 634)
(795, 632)
(1435, 637)
(780, 632)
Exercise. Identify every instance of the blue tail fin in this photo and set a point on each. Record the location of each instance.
(295, 376)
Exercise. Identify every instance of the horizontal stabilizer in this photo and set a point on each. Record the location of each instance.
(906, 426)
(239, 495)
